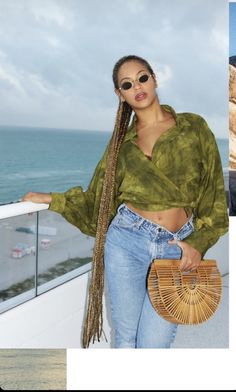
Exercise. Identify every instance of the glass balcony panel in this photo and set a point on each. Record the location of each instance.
(63, 251)
(17, 259)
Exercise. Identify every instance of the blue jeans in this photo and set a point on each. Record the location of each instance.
(132, 242)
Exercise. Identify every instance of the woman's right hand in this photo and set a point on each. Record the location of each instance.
(37, 197)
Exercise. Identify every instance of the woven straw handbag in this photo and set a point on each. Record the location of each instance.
(184, 297)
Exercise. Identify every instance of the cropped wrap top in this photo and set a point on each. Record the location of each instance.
(185, 171)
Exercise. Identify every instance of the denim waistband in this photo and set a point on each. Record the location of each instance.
(140, 221)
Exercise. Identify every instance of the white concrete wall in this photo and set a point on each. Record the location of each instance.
(220, 252)
(54, 319)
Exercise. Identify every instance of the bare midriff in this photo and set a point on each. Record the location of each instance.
(172, 219)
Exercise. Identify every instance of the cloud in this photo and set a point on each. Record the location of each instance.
(52, 13)
(10, 81)
(135, 7)
(163, 73)
(57, 57)
(219, 41)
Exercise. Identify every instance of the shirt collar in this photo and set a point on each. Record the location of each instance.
(181, 121)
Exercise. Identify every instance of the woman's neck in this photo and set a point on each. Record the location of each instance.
(151, 116)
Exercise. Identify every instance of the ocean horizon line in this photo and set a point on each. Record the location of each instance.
(35, 128)
(43, 128)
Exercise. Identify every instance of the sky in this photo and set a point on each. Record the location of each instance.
(57, 56)
(232, 28)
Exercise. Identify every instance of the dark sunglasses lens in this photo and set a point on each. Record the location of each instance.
(126, 85)
(143, 78)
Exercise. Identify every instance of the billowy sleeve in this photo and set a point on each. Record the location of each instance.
(210, 216)
(80, 207)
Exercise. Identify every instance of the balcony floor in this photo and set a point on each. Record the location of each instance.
(213, 333)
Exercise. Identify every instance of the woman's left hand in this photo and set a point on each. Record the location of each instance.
(191, 257)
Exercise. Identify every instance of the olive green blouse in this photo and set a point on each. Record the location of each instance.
(185, 171)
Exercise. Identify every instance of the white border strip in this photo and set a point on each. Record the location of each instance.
(21, 208)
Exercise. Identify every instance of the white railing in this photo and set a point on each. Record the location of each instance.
(226, 177)
(21, 208)
(23, 269)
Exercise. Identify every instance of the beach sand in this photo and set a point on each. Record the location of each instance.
(33, 369)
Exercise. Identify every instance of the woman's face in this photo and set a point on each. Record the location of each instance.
(140, 95)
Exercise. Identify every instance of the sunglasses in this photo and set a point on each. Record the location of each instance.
(141, 79)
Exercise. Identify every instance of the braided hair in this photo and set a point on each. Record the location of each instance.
(93, 327)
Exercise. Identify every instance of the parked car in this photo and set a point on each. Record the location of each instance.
(21, 249)
(45, 243)
(25, 230)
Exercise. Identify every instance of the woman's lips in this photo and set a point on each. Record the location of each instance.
(140, 96)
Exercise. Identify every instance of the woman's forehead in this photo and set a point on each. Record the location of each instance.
(130, 69)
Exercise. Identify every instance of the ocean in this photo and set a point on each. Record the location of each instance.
(47, 160)
(51, 160)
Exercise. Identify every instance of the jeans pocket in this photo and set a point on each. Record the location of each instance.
(173, 251)
(179, 251)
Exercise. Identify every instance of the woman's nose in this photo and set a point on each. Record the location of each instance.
(136, 84)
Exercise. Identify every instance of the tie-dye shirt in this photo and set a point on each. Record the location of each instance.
(185, 171)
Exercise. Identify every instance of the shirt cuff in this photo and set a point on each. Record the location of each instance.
(58, 202)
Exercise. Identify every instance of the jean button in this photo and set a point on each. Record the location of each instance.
(159, 229)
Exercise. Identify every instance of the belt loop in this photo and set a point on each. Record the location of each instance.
(191, 221)
(120, 207)
(139, 222)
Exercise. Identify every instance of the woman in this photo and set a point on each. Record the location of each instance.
(157, 192)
